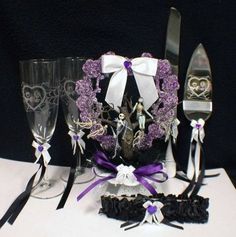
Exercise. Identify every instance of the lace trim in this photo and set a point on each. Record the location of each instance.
(182, 210)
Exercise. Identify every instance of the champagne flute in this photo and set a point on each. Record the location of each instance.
(71, 71)
(40, 91)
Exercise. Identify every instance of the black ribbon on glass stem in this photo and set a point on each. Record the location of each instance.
(16, 207)
(70, 181)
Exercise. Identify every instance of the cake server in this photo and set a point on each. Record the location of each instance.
(172, 54)
(197, 104)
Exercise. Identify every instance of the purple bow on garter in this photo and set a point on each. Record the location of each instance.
(142, 174)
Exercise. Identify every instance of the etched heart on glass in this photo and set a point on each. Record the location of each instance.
(199, 86)
(34, 96)
(69, 88)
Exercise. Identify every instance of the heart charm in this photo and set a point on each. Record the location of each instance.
(199, 87)
(151, 209)
(69, 89)
(34, 96)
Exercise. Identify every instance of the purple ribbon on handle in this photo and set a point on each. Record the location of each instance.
(142, 174)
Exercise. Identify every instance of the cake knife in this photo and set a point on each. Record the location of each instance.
(197, 104)
(172, 54)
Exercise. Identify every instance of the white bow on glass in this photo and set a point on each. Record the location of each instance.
(76, 138)
(153, 212)
(42, 149)
(143, 68)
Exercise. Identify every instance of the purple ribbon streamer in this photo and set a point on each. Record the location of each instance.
(147, 185)
(149, 170)
(158, 180)
(140, 173)
(102, 159)
(93, 185)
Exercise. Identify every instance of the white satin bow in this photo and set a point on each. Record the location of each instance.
(76, 138)
(153, 212)
(42, 149)
(198, 135)
(198, 130)
(143, 68)
(173, 130)
(125, 175)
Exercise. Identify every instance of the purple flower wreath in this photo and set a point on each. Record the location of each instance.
(91, 110)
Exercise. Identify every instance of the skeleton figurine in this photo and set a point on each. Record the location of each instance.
(121, 128)
(140, 113)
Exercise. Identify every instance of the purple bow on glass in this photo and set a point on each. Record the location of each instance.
(142, 174)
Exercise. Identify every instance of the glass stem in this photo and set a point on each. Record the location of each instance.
(78, 160)
(45, 179)
(43, 183)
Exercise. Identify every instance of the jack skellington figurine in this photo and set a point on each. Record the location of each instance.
(121, 128)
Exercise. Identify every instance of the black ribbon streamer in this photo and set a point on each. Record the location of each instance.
(186, 179)
(19, 203)
(70, 182)
(195, 186)
(174, 152)
(192, 182)
(202, 173)
(164, 221)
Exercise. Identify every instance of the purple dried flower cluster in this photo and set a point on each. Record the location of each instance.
(145, 142)
(162, 111)
(87, 101)
(92, 68)
(164, 69)
(169, 100)
(107, 142)
(171, 83)
(155, 131)
(84, 87)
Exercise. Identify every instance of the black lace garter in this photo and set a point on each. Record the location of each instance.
(136, 210)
